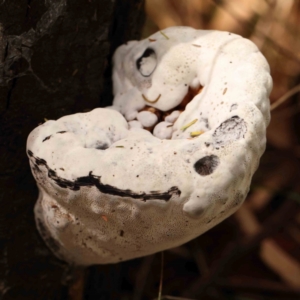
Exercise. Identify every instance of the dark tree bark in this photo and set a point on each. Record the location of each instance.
(55, 59)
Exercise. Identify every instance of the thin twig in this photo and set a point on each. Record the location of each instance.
(161, 276)
(258, 286)
(76, 286)
(142, 276)
(199, 256)
(287, 95)
(164, 35)
(166, 297)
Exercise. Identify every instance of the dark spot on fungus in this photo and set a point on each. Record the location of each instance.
(47, 138)
(121, 232)
(206, 165)
(205, 121)
(230, 130)
(61, 132)
(233, 107)
(101, 146)
(238, 198)
(51, 173)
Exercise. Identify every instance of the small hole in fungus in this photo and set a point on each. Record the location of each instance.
(206, 165)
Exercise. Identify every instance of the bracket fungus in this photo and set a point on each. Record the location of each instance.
(171, 158)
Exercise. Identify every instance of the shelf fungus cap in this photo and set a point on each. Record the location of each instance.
(111, 191)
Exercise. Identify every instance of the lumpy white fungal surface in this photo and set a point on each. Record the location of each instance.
(151, 173)
(163, 130)
(173, 116)
(147, 118)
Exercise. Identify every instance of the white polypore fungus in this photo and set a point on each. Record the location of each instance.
(111, 190)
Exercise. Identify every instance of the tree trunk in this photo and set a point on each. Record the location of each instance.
(55, 59)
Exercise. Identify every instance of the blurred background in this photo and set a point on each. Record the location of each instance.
(255, 254)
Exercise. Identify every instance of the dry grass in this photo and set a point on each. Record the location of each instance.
(274, 26)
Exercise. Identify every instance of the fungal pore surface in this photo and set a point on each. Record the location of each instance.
(171, 158)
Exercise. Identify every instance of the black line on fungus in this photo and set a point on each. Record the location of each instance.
(101, 146)
(61, 131)
(94, 180)
(47, 138)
